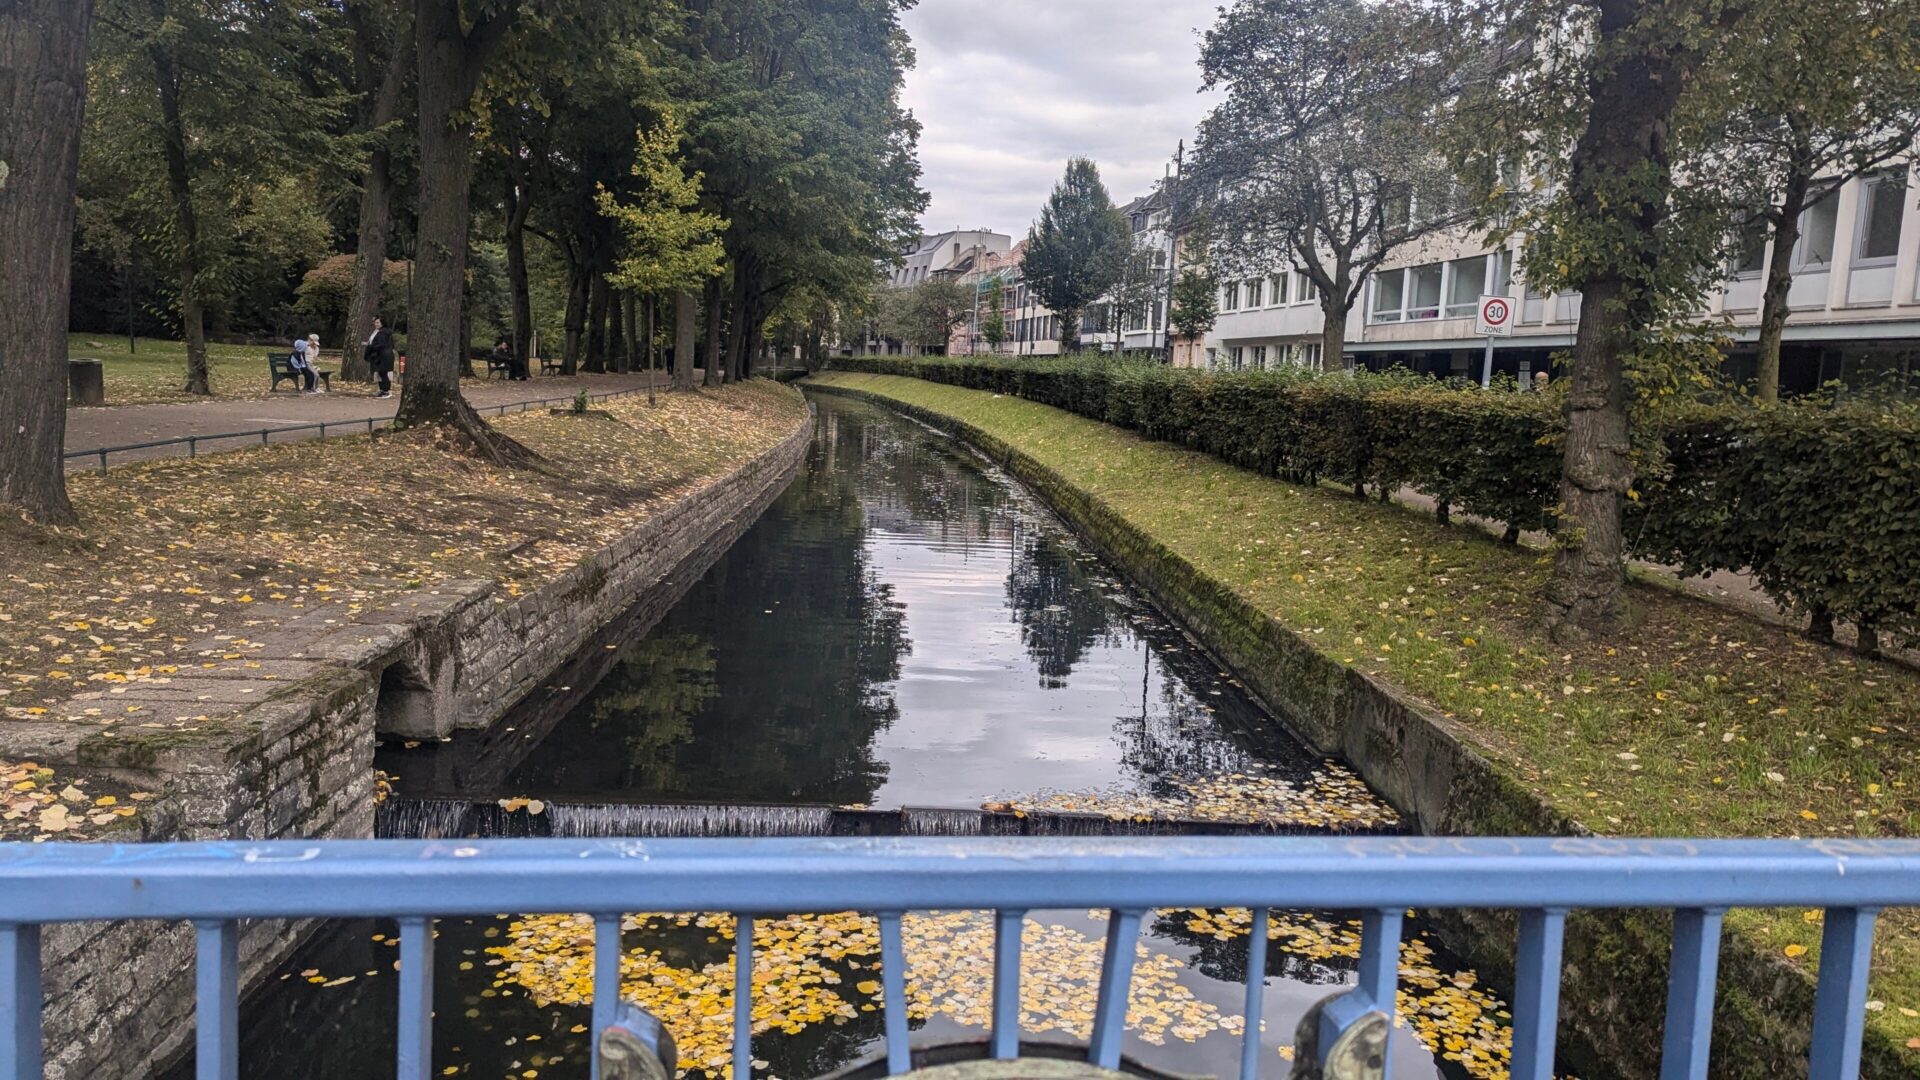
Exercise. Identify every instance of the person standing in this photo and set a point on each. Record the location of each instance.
(380, 356)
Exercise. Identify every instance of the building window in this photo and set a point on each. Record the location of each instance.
(1279, 289)
(1302, 287)
(1423, 292)
(1818, 224)
(1238, 357)
(1260, 357)
(1467, 278)
(1502, 273)
(1310, 355)
(1230, 296)
(1883, 204)
(1389, 296)
(1253, 293)
(1750, 247)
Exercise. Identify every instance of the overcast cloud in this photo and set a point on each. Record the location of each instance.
(1007, 90)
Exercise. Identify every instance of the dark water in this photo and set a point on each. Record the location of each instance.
(905, 627)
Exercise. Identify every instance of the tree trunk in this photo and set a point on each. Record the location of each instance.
(43, 89)
(1621, 184)
(617, 332)
(376, 198)
(596, 324)
(1069, 330)
(517, 288)
(713, 364)
(450, 61)
(576, 326)
(649, 308)
(683, 320)
(631, 333)
(186, 224)
(1333, 332)
(1773, 305)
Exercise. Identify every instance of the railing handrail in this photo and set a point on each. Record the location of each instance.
(414, 882)
(193, 441)
(43, 883)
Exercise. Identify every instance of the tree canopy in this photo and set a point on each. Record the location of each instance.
(1078, 248)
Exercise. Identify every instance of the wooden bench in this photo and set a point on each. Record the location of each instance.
(549, 366)
(280, 366)
(504, 368)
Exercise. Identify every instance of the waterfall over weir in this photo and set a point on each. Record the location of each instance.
(426, 819)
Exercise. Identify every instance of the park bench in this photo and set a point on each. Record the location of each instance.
(280, 367)
(549, 366)
(502, 368)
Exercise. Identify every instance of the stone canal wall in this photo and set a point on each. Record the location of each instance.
(291, 756)
(1615, 963)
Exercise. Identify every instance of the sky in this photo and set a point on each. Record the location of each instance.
(1007, 90)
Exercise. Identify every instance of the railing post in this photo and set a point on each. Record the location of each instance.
(893, 982)
(1690, 979)
(743, 997)
(1116, 981)
(1840, 1003)
(20, 1001)
(193, 446)
(103, 459)
(416, 999)
(217, 1001)
(1007, 925)
(606, 977)
(1256, 995)
(1536, 993)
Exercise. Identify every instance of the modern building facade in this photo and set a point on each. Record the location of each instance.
(1855, 302)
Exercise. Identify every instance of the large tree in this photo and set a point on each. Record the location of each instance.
(1808, 95)
(382, 58)
(1583, 97)
(1078, 248)
(452, 51)
(211, 150)
(43, 58)
(924, 315)
(1320, 156)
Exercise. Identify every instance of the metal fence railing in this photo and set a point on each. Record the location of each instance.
(265, 435)
(214, 885)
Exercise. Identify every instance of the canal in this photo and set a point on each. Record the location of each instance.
(905, 628)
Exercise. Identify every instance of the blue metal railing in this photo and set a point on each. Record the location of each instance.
(213, 885)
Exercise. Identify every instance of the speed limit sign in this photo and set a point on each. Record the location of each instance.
(1496, 316)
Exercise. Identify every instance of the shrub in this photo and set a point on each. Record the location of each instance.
(1821, 505)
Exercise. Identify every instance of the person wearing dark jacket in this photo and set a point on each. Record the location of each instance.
(380, 357)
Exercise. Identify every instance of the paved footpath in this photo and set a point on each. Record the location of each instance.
(119, 425)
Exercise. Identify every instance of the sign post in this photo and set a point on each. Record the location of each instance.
(1495, 319)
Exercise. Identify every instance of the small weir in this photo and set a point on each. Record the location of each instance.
(907, 644)
(431, 819)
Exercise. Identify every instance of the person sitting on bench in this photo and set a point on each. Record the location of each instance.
(303, 365)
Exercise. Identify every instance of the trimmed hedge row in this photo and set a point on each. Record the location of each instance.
(1820, 505)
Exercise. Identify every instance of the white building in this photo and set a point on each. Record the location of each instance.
(1855, 302)
(944, 252)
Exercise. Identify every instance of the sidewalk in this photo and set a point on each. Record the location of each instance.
(89, 429)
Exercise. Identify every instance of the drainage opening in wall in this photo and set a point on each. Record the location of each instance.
(405, 704)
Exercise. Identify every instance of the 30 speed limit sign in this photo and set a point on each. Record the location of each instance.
(1496, 316)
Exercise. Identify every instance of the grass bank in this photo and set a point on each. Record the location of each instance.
(173, 551)
(1702, 722)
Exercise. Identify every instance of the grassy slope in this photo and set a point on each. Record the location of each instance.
(158, 369)
(1702, 722)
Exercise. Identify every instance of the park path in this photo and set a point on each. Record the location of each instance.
(120, 425)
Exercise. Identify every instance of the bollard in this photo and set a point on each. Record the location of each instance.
(636, 1046)
(86, 382)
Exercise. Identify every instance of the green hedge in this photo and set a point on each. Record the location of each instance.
(1821, 505)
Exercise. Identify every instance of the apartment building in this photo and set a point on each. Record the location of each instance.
(1855, 302)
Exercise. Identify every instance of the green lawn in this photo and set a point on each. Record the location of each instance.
(1703, 722)
(157, 370)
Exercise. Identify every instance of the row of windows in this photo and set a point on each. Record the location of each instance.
(1881, 212)
(1275, 290)
(1262, 357)
(1449, 290)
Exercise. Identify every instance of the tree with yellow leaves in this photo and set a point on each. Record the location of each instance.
(667, 244)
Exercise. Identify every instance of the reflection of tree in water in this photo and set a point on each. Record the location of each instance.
(1175, 735)
(803, 641)
(1227, 960)
(650, 697)
(1058, 606)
